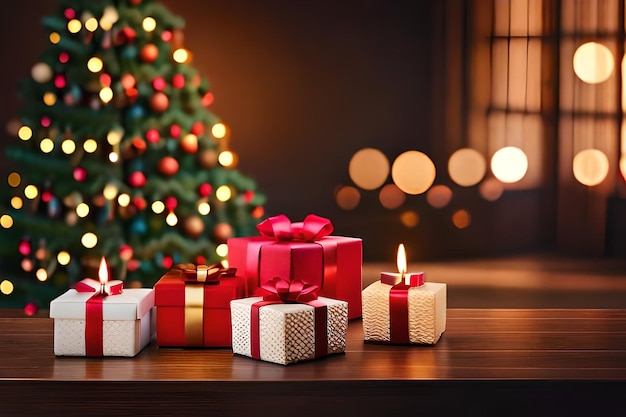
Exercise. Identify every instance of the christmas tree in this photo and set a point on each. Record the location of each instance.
(118, 156)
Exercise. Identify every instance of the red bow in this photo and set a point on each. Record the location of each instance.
(210, 274)
(280, 228)
(295, 291)
(113, 287)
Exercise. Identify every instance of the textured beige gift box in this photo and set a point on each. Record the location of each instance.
(427, 312)
(287, 331)
(128, 324)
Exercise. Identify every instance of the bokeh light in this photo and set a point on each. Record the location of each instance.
(222, 250)
(590, 166)
(171, 219)
(90, 146)
(31, 192)
(6, 221)
(491, 189)
(14, 179)
(91, 24)
(106, 94)
(41, 274)
(54, 38)
(410, 218)
(46, 145)
(74, 26)
(204, 208)
(123, 200)
(110, 191)
(461, 219)
(89, 240)
(41, 72)
(439, 196)
(95, 64)
(391, 197)
(158, 207)
(467, 167)
(347, 197)
(17, 203)
(223, 193)
(593, 62)
(49, 99)
(68, 146)
(25, 133)
(413, 172)
(218, 130)
(149, 24)
(82, 210)
(6, 287)
(368, 168)
(63, 258)
(509, 164)
(226, 158)
(181, 55)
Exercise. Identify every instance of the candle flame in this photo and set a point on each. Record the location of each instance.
(401, 260)
(103, 272)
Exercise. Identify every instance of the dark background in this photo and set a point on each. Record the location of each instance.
(304, 85)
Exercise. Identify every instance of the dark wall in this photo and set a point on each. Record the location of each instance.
(303, 86)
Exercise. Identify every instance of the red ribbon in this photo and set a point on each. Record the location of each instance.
(280, 228)
(210, 274)
(282, 291)
(399, 313)
(94, 315)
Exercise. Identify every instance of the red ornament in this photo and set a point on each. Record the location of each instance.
(31, 309)
(248, 196)
(159, 102)
(168, 262)
(105, 80)
(24, 247)
(139, 144)
(134, 2)
(127, 81)
(222, 232)
(170, 203)
(126, 252)
(197, 128)
(205, 189)
(178, 81)
(258, 212)
(159, 84)
(45, 121)
(80, 174)
(127, 34)
(153, 135)
(133, 265)
(46, 196)
(69, 14)
(137, 179)
(200, 260)
(207, 99)
(149, 53)
(168, 166)
(59, 81)
(166, 35)
(175, 131)
(189, 143)
(140, 203)
(64, 57)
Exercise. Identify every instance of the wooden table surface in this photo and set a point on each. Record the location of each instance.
(501, 361)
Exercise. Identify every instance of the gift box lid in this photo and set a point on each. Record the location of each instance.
(288, 308)
(131, 304)
(170, 291)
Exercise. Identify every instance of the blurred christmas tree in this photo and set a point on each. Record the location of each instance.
(118, 157)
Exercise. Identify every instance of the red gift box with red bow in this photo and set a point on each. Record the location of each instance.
(193, 305)
(303, 250)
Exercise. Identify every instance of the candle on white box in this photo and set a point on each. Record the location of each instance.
(418, 318)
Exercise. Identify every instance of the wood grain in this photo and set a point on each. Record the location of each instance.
(551, 355)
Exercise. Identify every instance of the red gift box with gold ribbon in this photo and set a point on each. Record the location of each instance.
(193, 305)
(305, 250)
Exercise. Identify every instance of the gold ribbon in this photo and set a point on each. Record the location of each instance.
(194, 310)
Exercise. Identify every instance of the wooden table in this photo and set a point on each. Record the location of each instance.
(490, 361)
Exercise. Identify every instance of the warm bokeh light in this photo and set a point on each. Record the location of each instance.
(391, 197)
(593, 62)
(49, 99)
(89, 240)
(226, 158)
(25, 133)
(14, 179)
(106, 94)
(41, 72)
(223, 193)
(109, 17)
(27, 264)
(204, 208)
(90, 146)
(509, 164)
(218, 130)
(590, 166)
(82, 210)
(110, 191)
(368, 168)
(41, 274)
(46, 145)
(6, 287)
(491, 189)
(171, 219)
(439, 196)
(91, 24)
(95, 64)
(410, 219)
(123, 200)
(347, 197)
(31, 192)
(181, 55)
(114, 157)
(149, 24)
(413, 172)
(222, 250)
(158, 207)
(461, 219)
(467, 167)
(68, 146)
(17, 203)
(74, 26)
(54, 38)
(6, 221)
(63, 258)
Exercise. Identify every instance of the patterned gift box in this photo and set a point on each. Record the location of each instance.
(289, 325)
(304, 250)
(192, 304)
(402, 313)
(87, 323)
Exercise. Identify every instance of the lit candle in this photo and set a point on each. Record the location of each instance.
(108, 287)
(103, 274)
(414, 279)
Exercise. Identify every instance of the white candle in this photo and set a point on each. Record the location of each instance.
(413, 279)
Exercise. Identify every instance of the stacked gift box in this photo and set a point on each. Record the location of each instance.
(285, 297)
